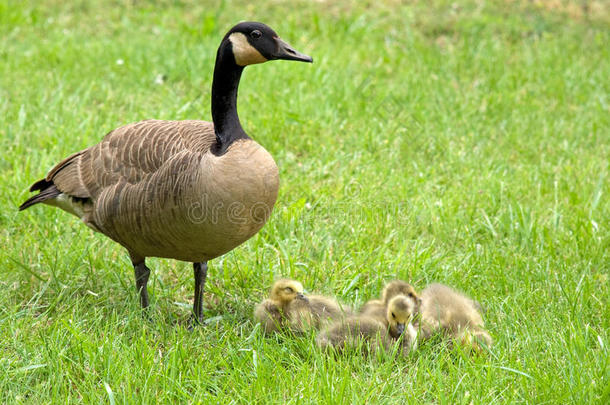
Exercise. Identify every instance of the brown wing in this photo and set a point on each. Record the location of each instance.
(129, 154)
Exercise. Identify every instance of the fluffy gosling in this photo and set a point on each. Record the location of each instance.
(377, 308)
(452, 313)
(372, 333)
(272, 312)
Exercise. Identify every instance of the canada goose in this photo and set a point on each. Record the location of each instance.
(377, 307)
(185, 190)
(445, 310)
(271, 313)
(315, 312)
(353, 330)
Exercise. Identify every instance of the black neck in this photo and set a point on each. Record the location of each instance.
(224, 99)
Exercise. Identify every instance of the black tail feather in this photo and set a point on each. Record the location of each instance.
(47, 192)
(41, 185)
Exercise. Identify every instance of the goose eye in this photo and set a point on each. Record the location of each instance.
(256, 34)
(288, 290)
(393, 316)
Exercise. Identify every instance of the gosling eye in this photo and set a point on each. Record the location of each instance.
(393, 315)
(288, 290)
(256, 34)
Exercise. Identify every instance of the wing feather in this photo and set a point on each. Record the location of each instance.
(129, 154)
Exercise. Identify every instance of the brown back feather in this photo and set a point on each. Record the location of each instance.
(128, 154)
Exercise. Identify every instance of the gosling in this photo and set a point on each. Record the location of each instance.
(371, 332)
(377, 308)
(272, 312)
(445, 310)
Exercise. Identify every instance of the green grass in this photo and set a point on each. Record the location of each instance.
(429, 141)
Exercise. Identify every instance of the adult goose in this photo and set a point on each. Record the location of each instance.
(185, 190)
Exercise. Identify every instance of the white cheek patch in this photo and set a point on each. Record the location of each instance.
(245, 54)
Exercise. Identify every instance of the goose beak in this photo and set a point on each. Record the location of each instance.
(300, 296)
(400, 328)
(287, 52)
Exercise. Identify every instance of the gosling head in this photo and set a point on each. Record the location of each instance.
(254, 42)
(285, 291)
(399, 287)
(400, 312)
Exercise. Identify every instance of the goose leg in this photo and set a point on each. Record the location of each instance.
(142, 273)
(200, 271)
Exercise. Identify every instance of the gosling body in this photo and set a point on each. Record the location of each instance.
(452, 313)
(355, 332)
(315, 312)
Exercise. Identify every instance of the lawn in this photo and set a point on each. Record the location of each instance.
(466, 143)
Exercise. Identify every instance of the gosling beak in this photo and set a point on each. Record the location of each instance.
(400, 328)
(300, 296)
(287, 52)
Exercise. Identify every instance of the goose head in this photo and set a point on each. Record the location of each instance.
(285, 291)
(254, 42)
(400, 312)
(245, 44)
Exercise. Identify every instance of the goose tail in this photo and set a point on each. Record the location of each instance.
(47, 191)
